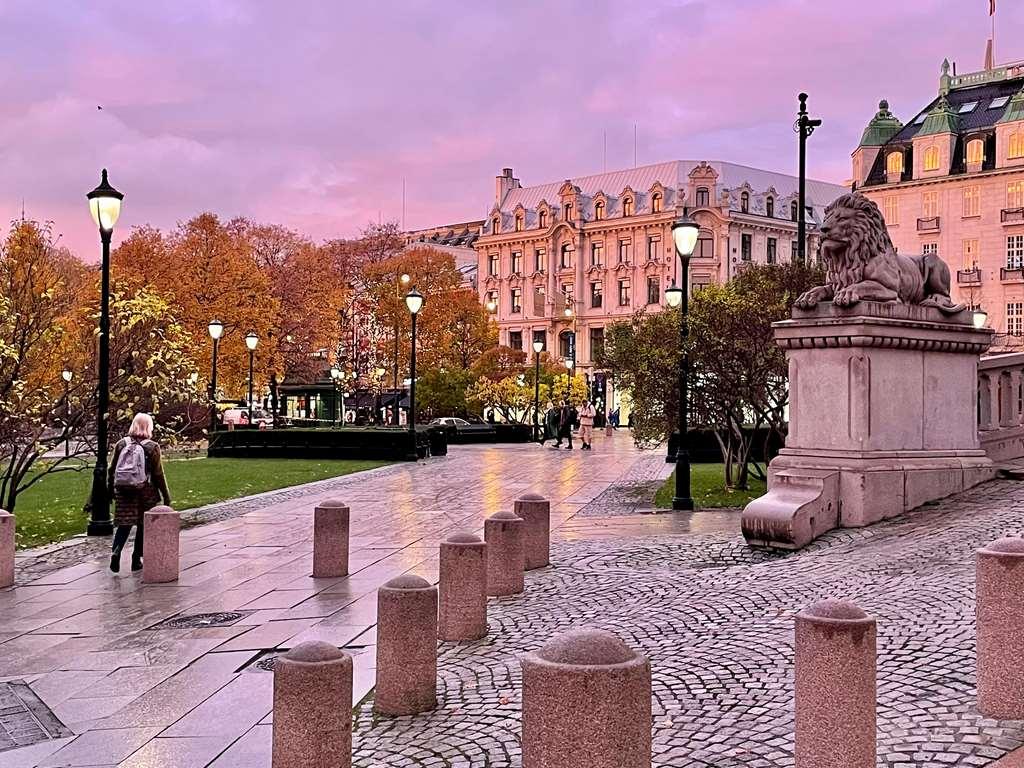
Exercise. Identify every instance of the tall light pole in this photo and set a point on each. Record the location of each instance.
(805, 127)
(336, 374)
(216, 330)
(105, 207)
(684, 237)
(67, 375)
(402, 282)
(414, 302)
(251, 341)
(538, 347)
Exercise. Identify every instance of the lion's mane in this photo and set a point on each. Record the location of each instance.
(867, 239)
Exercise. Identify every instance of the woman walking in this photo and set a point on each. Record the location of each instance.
(136, 481)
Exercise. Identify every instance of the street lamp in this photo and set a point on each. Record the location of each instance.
(105, 207)
(67, 375)
(402, 282)
(980, 318)
(336, 374)
(538, 347)
(805, 127)
(251, 340)
(414, 302)
(379, 374)
(216, 330)
(491, 306)
(684, 237)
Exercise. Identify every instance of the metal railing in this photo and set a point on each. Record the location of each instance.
(968, 276)
(928, 225)
(1012, 215)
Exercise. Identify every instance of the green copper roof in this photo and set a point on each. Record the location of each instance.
(1015, 109)
(883, 126)
(942, 119)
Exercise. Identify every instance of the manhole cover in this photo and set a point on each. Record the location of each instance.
(25, 719)
(201, 620)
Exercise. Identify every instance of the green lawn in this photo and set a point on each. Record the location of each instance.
(51, 509)
(708, 489)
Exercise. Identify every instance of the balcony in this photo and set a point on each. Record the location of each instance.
(1012, 215)
(1011, 275)
(969, 276)
(928, 225)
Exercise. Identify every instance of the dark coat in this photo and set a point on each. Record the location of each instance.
(130, 503)
(566, 421)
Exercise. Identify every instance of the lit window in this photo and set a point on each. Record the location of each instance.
(492, 300)
(598, 211)
(975, 152)
(931, 159)
(623, 293)
(653, 248)
(970, 254)
(656, 203)
(769, 207)
(1015, 194)
(519, 222)
(517, 304)
(597, 254)
(703, 197)
(930, 249)
(891, 204)
(1016, 146)
(624, 251)
(627, 206)
(746, 247)
(538, 259)
(770, 256)
(517, 262)
(970, 106)
(653, 290)
(596, 294)
(492, 264)
(972, 201)
(999, 102)
(929, 204)
(1014, 251)
(1015, 318)
(565, 257)
(894, 162)
(567, 292)
(744, 203)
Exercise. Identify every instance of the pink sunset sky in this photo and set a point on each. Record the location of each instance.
(311, 114)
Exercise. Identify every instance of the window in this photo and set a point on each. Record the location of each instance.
(794, 250)
(492, 264)
(970, 106)
(492, 300)
(496, 225)
(623, 293)
(598, 211)
(540, 336)
(624, 251)
(627, 206)
(929, 204)
(653, 247)
(517, 262)
(656, 202)
(705, 247)
(568, 211)
(920, 118)
(770, 252)
(929, 248)
(597, 254)
(746, 247)
(891, 206)
(596, 294)
(931, 159)
(515, 339)
(794, 207)
(1016, 148)
(972, 201)
(745, 202)
(699, 284)
(567, 345)
(769, 207)
(1015, 194)
(1014, 251)
(565, 256)
(975, 152)
(568, 289)
(970, 254)
(653, 290)
(1015, 318)
(999, 102)
(703, 197)
(519, 222)
(596, 343)
(542, 219)
(894, 162)
(517, 304)
(539, 256)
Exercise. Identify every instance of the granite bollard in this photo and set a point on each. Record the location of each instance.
(6, 549)
(330, 539)
(535, 511)
(586, 703)
(462, 588)
(835, 686)
(999, 607)
(503, 532)
(160, 545)
(406, 647)
(312, 707)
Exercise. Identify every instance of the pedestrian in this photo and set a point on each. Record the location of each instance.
(546, 431)
(587, 414)
(614, 419)
(566, 422)
(136, 481)
(552, 421)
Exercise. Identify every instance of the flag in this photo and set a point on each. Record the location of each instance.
(991, 7)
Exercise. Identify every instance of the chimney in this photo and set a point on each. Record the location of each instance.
(503, 184)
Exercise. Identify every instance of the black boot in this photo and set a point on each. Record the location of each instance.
(115, 562)
(136, 563)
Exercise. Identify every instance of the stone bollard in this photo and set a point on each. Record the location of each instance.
(406, 647)
(503, 532)
(586, 703)
(6, 549)
(835, 686)
(312, 707)
(330, 539)
(463, 588)
(160, 545)
(535, 511)
(999, 607)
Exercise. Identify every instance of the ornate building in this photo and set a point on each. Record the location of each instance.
(560, 261)
(951, 181)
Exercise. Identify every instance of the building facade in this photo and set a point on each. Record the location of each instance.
(951, 181)
(559, 262)
(455, 239)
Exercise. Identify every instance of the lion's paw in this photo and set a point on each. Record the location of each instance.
(846, 297)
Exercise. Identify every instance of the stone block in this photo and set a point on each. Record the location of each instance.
(503, 532)
(999, 610)
(462, 588)
(7, 523)
(535, 512)
(835, 687)
(312, 713)
(330, 539)
(406, 647)
(586, 703)
(160, 546)
(925, 485)
(801, 505)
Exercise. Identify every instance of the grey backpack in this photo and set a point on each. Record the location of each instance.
(130, 471)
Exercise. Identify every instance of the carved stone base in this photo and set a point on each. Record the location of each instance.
(801, 505)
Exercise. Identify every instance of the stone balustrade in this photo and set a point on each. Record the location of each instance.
(1000, 412)
(6, 549)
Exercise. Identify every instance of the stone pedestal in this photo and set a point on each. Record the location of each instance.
(160, 546)
(6, 549)
(1000, 629)
(882, 418)
(835, 686)
(330, 539)
(312, 707)
(462, 588)
(503, 532)
(535, 512)
(406, 647)
(586, 703)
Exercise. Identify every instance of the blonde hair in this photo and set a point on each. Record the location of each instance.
(142, 427)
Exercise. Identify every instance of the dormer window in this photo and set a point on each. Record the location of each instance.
(970, 106)
(793, 210)
(745, 202)
(999, 102)
(975, 152)
(542, 219)
(703, 197)
(656, 202)
(1016, 146)
(769, 207)
(568, 211)
(495, 225)
(894, 163)
(598, 211)
(627, 206)
(519, 222)
(931, 159)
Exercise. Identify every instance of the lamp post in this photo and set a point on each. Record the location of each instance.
(538, 347)
(336, 374)
(251, 340)
(216, 330)
(980, 318)
(378, 417)
(402, 281)
(105, 207)
(67, 375)
(805, 127)
(414, 302)
(684, 237)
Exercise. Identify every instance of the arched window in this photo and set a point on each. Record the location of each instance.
(975, 152)
(769, 207)
(627, 206)
(568, 211)
(745, 202)
(894, 162)
(495, 225)
(519, 222)
(656, 202)
(793, 210)
(1016, 148)
(931, 159)
(703, 197)
(598, 211)
(542, 219)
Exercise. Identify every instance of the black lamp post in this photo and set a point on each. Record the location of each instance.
(67, 375)
(251, 340)
(216, 329)
(805, 127)
(105, 207)
(684, 237)
(336, 374)
(402, 281)
(414, 302)
(538, 347)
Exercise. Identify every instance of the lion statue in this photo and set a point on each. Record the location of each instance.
(862, 265)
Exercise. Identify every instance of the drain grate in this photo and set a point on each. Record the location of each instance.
(25, 719)
(202, 620)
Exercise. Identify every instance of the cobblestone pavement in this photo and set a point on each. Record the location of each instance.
(633, 493)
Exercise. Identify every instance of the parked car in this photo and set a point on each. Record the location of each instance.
(240, 417)
(454, 425)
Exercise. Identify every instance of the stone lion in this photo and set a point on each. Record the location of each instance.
(862, 265)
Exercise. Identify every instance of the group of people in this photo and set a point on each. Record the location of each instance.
(560, 420)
